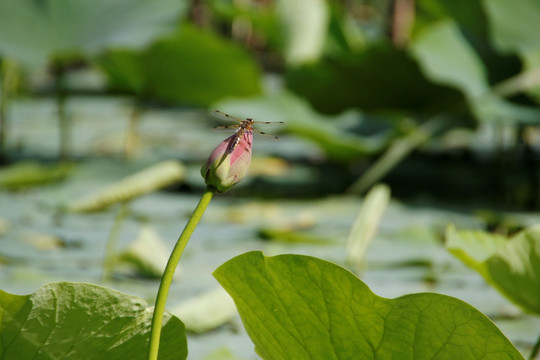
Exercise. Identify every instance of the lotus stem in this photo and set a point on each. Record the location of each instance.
(166, 279)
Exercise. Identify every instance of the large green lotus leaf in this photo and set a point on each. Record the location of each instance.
(471, 18)
(198, 67)
(191, 66)
(381, 77)
(514, 25)
(474, 247)
(516, 269)
(515, 28)
(82, 321)
(299, 307)
(512, 265)
(447, 58)
(125, 70)
(34, 31)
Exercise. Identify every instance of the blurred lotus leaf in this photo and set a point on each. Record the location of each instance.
(469, 15)
(515, 28)
(29, 173)
(145, 181)
(293, 236)
(305, 25)
(381, 77)
(34, 31)
(147, 254)
(446, 57)
(190, 66)
(511, 265)
(206, 311)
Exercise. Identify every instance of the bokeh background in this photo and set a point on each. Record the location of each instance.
(437, 99)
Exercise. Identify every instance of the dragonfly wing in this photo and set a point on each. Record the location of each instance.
(269, 122)
(226, 127)
(222, 116)
(267, 134)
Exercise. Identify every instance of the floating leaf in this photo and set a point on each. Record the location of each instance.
(511, 265)
(29, 173)
(473, 247)
(82, 321)
(5, 225)
(143, 182)
(44, 242)
(221, 354)
(147, 254)
(299, 307)
(206, 311)
(293, 236)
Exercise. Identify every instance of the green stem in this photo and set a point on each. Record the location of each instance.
(167, 277)
(8, 83)
(132, 135)
(63, 120)
(3, 107)
(395, 154)
(110, 249)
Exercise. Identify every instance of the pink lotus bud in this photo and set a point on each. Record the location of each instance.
(229, 162)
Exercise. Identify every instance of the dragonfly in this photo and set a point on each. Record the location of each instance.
(243, 126)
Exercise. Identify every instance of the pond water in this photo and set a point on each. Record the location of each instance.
(39, 244)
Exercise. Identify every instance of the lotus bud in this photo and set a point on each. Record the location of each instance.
(229, 162)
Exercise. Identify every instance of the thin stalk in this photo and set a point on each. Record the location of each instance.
(166, 279)
(500, 166)
(3, 107)
(530, 163)
(132, 135)
(110, 249)
(8, 79)
(395, 154)
(64, 123)
(401, 148)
